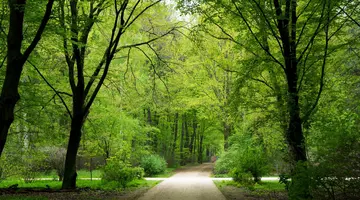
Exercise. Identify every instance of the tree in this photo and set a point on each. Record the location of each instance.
(15, 62)
(292, 35)
(126, 13)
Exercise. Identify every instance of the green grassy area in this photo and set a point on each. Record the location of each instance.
(220, 176)
(270, 186)
(95, 184)
(24, 198)
(264, 190)
(168, 172)
(264, 185)
(81, 174)
(86, 174)
(93, 190)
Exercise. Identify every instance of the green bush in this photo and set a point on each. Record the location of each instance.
(246, 156)
(245, 179)
(120, 172)
(153, 164)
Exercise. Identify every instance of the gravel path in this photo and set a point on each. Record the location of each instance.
(190, 183)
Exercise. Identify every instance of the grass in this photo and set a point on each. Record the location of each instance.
(220, 176)
(24, 198)
(270, 186)
(168, 172)
(263, 186)
(81, 174)
(264, 190)
(93, 190)
(95, 184)
(86, 174)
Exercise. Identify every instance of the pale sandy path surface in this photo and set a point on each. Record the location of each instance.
(191, 183)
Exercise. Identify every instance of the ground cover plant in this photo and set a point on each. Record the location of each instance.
(119, 90)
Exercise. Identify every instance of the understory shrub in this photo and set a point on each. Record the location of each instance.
(245, 157)
(120, 172)
(55, 160)
(334, 176)
(245, 179)
(337, 175)
(153, 165)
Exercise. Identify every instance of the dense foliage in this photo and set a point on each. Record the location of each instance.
(153, 164)
(269, 87)
(122, 173)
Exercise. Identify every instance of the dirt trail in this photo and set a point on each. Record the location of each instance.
(191, 183)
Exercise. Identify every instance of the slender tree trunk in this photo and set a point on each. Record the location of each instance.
(200, 152)
(182, 140)
(186, 145)
(192, 145)
(149, 121)
(155, 136)
(173, 154)
(227, 133)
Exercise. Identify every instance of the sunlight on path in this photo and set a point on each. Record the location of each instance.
(191, 183)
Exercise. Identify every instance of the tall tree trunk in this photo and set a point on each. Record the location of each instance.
(70, 174)
(200, 152)
(173, 154)
(149, 121)
(15, 62)
(182, 140)
(186, 145)
(192, 144)
(294, 135)
(77, 122)
(227, 133)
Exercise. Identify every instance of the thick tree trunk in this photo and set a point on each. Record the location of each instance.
(295, 136)
(15, 62)
(70, 174)
(9, 94)
(8, 100)
(287, 30)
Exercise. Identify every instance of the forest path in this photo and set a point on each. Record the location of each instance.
(190, 183)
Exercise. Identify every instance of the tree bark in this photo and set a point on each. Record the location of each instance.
(200, 153)
(227, 133)
(294, 134)
(186, 145)
(192, 144)
(70, 174)
(182, 140)
(15, 62)
(173, 152)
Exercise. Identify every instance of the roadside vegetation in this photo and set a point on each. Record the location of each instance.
(127, 89)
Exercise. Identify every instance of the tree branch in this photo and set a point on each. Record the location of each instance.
(56, 92)
(40, 30)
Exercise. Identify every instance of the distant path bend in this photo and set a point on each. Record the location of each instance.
(191, 183)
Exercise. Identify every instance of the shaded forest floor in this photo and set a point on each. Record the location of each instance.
(96, 191)
(31, 194)
(266, 191)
